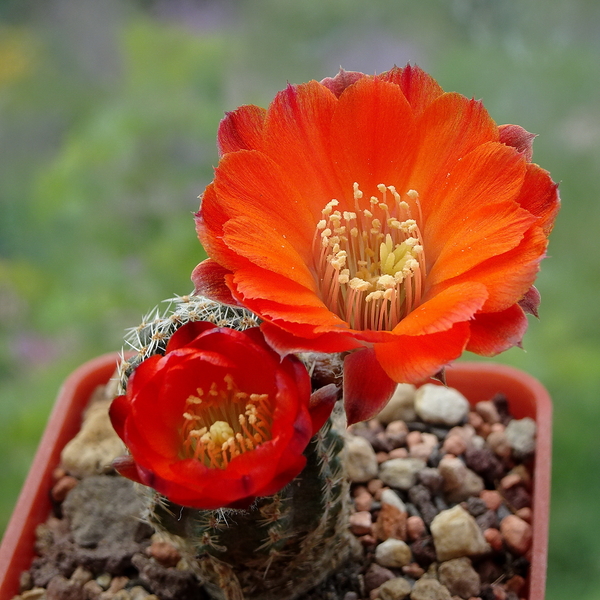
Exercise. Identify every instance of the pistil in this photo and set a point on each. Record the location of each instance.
(370, 262)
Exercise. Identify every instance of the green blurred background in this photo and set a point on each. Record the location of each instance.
(108, 116)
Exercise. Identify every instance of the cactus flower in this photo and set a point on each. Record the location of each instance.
(377, 215)
(219, 419)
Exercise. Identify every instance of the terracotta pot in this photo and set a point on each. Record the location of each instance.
(477, 381)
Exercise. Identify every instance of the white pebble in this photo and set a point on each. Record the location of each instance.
(401, 473)
(360, 460)
(441, 405)
(520, 435)
(393, 553)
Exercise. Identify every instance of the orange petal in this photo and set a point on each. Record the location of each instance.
(420, 88)
(372, 137)
(490, 174)
(508, 276)
(443, 310)
(250, 184)
(412, 359)
(296, 137)
(241, 129)
(450, 128)
(492, 333)
(539, 195)
(518, 138)
(254, 282)
(488, 231)
(265, 247)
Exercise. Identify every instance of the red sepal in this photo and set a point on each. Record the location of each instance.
(209, 281)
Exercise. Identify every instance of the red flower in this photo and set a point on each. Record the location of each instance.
(219, 419)
(379, 214)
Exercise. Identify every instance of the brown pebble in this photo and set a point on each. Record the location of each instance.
(91, 590)
(525, 513)
(164, 553)
(367, 540)
(413, 438)
(516, 584)
(363, 501)
(488, 411)
(374, 486)
(517, 534)
(358, 490)
(492, 499)
(413, 570)
(398, 453)
(374, 594)
(390, 523)
(118, 583)
(499, 592)
(376, 575)
(499, 444)
(361, 523)
(510, 480)
(454, 444)
(62, 487)
(58, 473)
(475, 420)
(494, 538)
(415, 527)
(382, 457)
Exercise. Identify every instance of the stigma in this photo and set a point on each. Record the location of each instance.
(224, 423)
(370, 262)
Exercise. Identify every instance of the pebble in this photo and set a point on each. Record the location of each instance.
(415, 527)
(363, 501)
(492, 499)
(376, 576)
(361, 460)
(395, 589)
(401, 406)
(517, 534)
(440, 405)
(499, 444)
(488, 411)
(520, 434)
(390, 523)
(401, 473)
(494, 538)
(429, 589)
(62, 487)
(33, 594)
(459, 576)
(389, 496)
(460, 482)
(361, 523)
(164, 553)
(456, 533)
(96, 445)
(393, 553)
(454, 444)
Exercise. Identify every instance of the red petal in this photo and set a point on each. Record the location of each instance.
(367, 388)
(186, 334)
(285, 342)
(518, 138)
(118, 412)
(539, 195)
(412, 359)
(530, 302)
(492, 333)
(321, 404)
(126, 466)
(241, 129)
(341, 81)
(420, 88)
(209, 281)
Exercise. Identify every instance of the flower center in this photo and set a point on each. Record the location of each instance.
(224, 423)
(370, 263)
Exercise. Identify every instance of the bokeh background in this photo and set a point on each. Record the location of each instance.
(108, 116)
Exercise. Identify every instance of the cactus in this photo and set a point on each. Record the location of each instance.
(282, 545)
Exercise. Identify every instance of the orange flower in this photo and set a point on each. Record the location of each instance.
(381, 215)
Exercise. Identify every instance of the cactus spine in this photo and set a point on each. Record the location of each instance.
(283, 545)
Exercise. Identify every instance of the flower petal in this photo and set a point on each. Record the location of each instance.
(241, 129)
(341, 81)
(439, 313)
(518, 138)
(492, 333)
(412, 359)
(367, 387)
(209, 281)
(372, 138)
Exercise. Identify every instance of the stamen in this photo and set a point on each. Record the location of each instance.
(373, 277)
